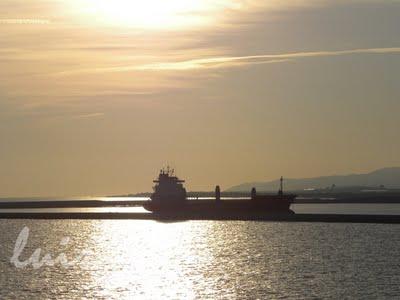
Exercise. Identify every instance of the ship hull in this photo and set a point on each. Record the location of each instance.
(261, 205)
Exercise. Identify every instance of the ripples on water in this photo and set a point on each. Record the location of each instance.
(206, 259)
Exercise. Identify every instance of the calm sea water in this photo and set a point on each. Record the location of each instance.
(204, 259)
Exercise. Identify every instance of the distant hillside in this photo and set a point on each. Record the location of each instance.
(389, 177)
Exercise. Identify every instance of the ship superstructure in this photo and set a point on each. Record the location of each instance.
(168, 189)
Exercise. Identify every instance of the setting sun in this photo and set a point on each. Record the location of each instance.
(153, 13)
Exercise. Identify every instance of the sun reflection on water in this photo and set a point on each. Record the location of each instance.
(149, 258)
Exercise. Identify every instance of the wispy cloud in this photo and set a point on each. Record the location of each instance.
(225, 61)
(88, 116)
(235, 61)
(214, 62)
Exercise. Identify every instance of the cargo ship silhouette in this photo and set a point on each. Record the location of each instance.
(170, 197)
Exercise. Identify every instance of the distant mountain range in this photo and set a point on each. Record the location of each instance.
(388, 177)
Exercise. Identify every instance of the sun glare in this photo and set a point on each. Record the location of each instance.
(153, 13)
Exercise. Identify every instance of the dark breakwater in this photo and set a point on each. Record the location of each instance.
(69, 203)
(330, 218)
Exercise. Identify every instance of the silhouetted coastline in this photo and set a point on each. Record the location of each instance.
(341, 198)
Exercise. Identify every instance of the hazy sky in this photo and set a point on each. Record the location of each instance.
(96, 96)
